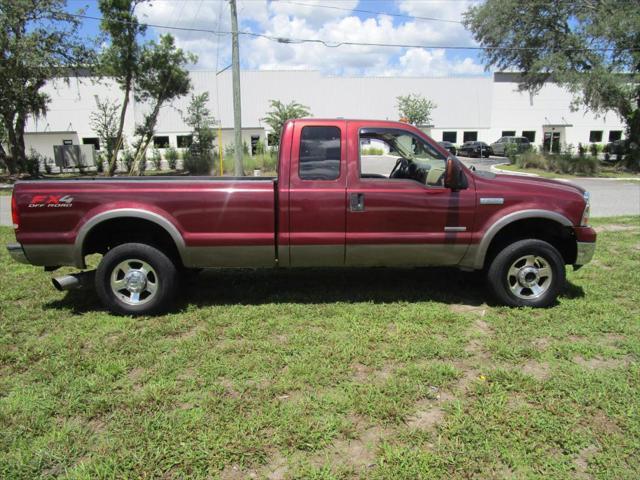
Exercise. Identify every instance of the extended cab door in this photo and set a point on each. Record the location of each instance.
(317, 193)
(399, 213)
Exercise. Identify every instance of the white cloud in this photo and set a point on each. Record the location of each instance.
(296, 21)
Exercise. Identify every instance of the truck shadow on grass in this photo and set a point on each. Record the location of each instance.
(319, 285)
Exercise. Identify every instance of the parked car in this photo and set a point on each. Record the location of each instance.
(448, 146)
(499, 147)
(475, 149)
(417, 206)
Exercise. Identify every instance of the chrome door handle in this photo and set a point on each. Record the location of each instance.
(356, 202)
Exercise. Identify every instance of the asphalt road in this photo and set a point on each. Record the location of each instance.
(609, 197)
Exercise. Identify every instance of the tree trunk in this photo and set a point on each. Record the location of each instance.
(141, 151)
(16, 147)
(113, 161)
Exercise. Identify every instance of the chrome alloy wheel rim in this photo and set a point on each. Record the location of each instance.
(529, 277)
(134, 282)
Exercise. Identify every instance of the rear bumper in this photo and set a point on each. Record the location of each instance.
(585, 252)
(17, 253)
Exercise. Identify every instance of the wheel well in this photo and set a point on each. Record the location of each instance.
(550, 231)
(111, 233)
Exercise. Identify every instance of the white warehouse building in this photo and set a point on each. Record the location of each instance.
(468, 108)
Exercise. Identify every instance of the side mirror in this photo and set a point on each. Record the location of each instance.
(454, 177)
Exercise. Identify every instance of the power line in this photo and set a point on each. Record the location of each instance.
(332, 44)
(371, 12)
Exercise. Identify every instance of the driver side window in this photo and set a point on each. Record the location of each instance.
(396, 154)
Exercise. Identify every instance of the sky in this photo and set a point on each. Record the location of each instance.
(330, 20)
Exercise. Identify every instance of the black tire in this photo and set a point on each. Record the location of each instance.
(163, 278)
(510, 292)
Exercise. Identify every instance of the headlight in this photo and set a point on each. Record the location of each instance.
(587, 208)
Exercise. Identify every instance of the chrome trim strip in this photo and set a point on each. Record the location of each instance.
(491, 201)
(17, 253)
(51, 255)
(476, 254)
(124, 213)
(455, 229)
(405, 255)
(585, 252)
(229, 257)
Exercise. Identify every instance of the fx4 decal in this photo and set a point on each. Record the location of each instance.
(51, 201)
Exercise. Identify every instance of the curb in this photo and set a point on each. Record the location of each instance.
(495, 169)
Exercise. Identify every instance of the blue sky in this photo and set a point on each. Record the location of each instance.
(310, 19)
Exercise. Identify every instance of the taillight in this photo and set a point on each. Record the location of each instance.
(14, 212)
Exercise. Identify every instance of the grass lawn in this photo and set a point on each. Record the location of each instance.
(605, 172)
(383, 374)
(6, 192)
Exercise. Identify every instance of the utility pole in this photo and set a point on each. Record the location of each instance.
(235, 61)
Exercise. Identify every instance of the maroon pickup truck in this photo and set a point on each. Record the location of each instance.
(348, 193)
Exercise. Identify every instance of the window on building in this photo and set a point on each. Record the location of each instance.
(67, 142)
(615, 135)
(450, 137)
(320, 153)
(160, 141)
(508, 133)
(92, 141)
(184, 141)
(470, 136)
(595, 136)
(530, 135)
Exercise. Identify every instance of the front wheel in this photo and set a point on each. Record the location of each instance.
(136, 279)
(527, 273)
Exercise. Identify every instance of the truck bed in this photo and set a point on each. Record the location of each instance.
(224, 221)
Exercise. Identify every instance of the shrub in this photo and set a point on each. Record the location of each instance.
(198, 164)
(582, 150)
(172, 155)
(531, 159)
(511, 151)
(156, 159)
(585, 165)
(127, 159)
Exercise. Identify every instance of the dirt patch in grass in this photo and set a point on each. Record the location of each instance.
(542, 343)
(364, 373)
(597, 363)
(187, 334)
(480, 310)
(428, 416)
(614, 227)
(581, 462)
(539, 371)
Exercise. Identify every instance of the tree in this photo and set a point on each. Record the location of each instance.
(39, 41)
(415, 108)
(589, 47)
(162, 77)
(280, 113)
(120, 60)
(104, 121)
(201, 121)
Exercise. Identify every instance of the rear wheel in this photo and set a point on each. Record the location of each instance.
(527, 273)
(136, 279)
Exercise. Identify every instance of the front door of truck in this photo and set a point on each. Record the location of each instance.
(399, 213)
(317, 198)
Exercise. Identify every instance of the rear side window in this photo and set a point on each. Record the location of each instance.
(319, 153)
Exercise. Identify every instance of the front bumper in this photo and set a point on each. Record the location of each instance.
(585, 252)
(17, 253)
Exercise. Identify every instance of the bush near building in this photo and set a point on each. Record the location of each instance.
(563, 163)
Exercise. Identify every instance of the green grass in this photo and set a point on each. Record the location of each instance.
(604, 172)
(6, 192)
(324, 374)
